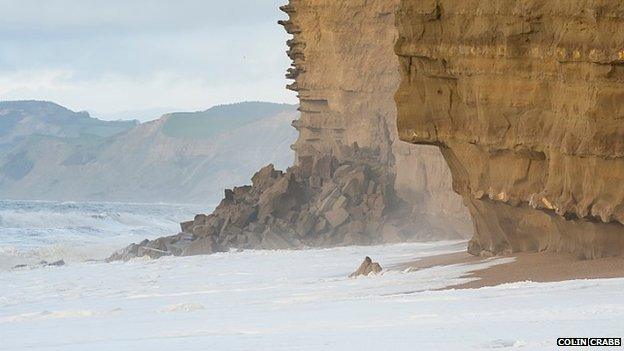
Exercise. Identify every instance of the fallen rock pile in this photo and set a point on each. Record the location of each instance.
(327, 201)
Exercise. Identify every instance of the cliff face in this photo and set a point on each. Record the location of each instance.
(525, 100)
(346, 74)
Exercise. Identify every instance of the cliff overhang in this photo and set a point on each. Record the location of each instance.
(525, 100)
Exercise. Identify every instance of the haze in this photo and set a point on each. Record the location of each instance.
(129, 59)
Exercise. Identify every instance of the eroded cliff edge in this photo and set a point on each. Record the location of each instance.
(526, 101)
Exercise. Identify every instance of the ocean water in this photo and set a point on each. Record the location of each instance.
(32, 231)
(294, 300)
(264, 300)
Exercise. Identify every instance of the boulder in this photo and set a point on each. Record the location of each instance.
(265, 178)
(336, 217)
(279, 199)
(343, 170)
(243, 215)
(200, 219)
(352, 187)
(203, 230)
(328, 202)
(187, 226)
(200, 246)
(341, 202)
(241, 192)
(229, 195)
(58, 263)
(367, 267)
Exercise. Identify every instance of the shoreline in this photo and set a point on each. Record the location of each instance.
(536, 267)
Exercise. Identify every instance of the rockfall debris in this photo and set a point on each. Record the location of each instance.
(330, 201)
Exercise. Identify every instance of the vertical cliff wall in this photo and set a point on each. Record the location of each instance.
(526, 101)
(346, 74)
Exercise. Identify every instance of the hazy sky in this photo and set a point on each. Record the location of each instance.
(111, 56)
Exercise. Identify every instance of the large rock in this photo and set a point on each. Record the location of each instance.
(367, 267)
(265, 177)
(280, 198)
(200, 246)
(337, 217)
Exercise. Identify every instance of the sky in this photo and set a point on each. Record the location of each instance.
(136, 58)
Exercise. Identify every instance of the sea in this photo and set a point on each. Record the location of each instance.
(36, 231)
(263, 300)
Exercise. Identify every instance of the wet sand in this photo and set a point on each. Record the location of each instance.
(536, 267)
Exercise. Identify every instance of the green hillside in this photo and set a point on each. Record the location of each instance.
(219, 119)
(48, 118)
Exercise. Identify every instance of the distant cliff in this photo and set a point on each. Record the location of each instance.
(48, 152)
(526, 101)
(23, 119)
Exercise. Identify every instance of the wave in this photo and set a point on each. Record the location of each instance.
(32, 231)
(78, 219)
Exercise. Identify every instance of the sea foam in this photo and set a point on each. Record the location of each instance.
(34, 231)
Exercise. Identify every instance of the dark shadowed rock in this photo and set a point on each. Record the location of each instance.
(56, 263)
(187, 226)
(265, 177)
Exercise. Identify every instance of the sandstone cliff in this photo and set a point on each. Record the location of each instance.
(346, 74)
(525, 100)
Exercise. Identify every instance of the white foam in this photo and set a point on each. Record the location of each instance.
(294, 300)
(183, 307)
(32, 231)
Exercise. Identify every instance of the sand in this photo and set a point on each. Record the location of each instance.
(536, 267)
